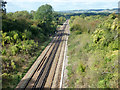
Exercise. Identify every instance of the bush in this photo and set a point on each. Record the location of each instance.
(3, 52)
(94, 62)
(14, 50)
(26, 35)
(20, 37)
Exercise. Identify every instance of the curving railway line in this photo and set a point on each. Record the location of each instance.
(47, 69)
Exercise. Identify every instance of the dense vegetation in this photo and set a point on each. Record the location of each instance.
(24, 35)
(68, 15)
(93, 51)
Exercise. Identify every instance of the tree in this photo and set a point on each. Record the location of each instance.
(44, 13)
(3, 6)
(45, 16)
(61, 20)
(21, 14)
(32, 13)
(82, 16)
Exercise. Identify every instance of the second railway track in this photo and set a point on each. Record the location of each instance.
(42, 72)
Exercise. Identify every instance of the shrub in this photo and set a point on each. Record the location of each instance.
(3, 52)
(94, 63)
(14, 50)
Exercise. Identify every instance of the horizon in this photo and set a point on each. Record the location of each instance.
(60, 5)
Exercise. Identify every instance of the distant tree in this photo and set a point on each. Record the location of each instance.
(32, 13)
(56, 17)
(61, 19)
(83, 16)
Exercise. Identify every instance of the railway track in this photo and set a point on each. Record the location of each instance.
(44, 72)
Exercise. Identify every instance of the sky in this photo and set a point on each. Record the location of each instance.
(60, 5)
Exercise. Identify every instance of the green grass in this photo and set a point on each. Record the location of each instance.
(94, 69)
(76, 52)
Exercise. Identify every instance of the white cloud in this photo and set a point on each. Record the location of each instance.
(62, 0)
(28, 0)
(85, 0)
(60, 4)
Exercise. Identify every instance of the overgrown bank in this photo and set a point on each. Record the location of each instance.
(24, 36)
(93, 52)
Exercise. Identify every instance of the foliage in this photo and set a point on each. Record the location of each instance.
(88, 24)
(61, 20)
(44, 13)
(93, 56)
(24, 35)
(46, 18)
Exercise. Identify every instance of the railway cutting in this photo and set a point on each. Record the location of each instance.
(47, 71)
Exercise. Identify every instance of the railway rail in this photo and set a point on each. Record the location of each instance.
(46, 71)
